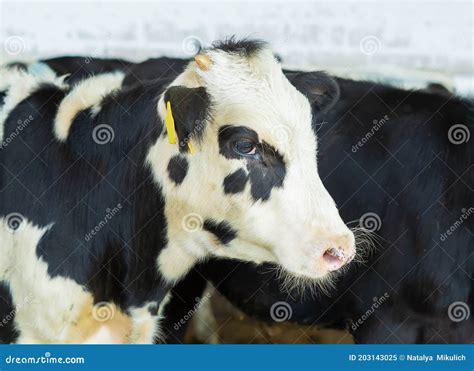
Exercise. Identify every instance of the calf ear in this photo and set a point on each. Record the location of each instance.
(190, 108)
(321, 89)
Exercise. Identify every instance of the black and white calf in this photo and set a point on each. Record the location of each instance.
(101, 215)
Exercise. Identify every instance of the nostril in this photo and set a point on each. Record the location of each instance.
(334, 258)
(337, 252)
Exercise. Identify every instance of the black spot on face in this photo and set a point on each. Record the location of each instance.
(267, 173)
(223, 231)
(266, 168)
(235, 182)
(178, 168)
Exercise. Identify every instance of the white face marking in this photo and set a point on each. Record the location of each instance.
(19, 85)
(298, 222)
(87, 94)
(58, 310)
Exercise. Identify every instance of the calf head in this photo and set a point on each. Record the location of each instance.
(242, 181)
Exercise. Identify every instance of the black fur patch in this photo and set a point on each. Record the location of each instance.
(235, 182)
(245, 47)
(266, 171)
(79, 68)
(190, 108)
(268, 174)
(178, 168)
(223, 231)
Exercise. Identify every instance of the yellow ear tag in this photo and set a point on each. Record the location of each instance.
(191, 148)
(169, 122)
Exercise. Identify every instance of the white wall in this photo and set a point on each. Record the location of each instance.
(428, 35)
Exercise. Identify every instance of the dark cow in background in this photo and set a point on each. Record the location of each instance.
(103, 210)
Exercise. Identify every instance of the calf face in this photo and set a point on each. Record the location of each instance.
(241, 180)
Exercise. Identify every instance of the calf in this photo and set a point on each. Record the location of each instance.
(103, 208)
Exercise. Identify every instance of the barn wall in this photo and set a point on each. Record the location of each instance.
(427, 35)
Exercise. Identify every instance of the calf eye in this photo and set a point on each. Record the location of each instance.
(245, 148)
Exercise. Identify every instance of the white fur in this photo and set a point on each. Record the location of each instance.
(87, 94)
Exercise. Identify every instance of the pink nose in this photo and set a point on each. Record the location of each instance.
(341, 250)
